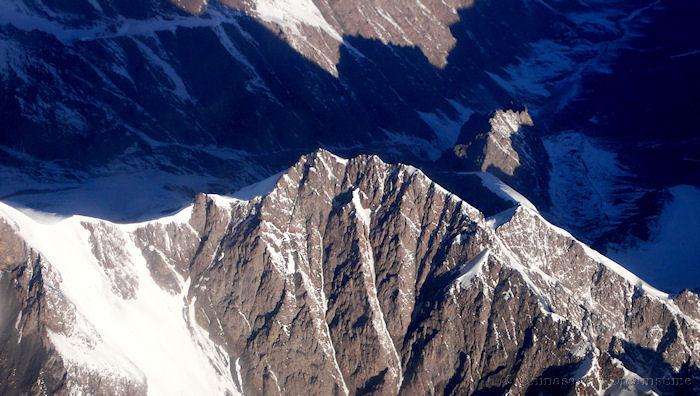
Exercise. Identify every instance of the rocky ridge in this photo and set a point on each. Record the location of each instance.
(316, 27)
(336, 277)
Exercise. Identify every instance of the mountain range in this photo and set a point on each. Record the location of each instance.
(521, 213)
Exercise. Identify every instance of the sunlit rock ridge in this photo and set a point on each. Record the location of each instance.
(316, 27)
(334, 277)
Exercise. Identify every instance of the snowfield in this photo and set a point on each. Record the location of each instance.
(152, 337)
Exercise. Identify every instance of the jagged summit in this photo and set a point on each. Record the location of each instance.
(334, 277)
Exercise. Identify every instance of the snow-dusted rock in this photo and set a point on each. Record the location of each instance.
(348, 276)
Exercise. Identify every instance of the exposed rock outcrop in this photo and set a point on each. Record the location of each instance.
(342, 277)
(506, 145)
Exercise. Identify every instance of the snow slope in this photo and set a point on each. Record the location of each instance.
(591, 192)
(672, 257)
(503, 190)
(151, 336)
(291, 13)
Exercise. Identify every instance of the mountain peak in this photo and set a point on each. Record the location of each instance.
(337, 254)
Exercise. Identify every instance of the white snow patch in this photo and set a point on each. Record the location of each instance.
(182, 216)
(239, 377)
(150, 337)
(471, 269)
(247, 193)
(41, 217)
(369, 277)
(503, 190)
(259, 189)
(363, 214)
(340, 160)
(289, 14)
(500, 218)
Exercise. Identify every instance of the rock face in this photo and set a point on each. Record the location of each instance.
(200, 94)
(316, 27)
(338, 277)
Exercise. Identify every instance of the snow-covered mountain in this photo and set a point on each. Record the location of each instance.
(334, 277)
